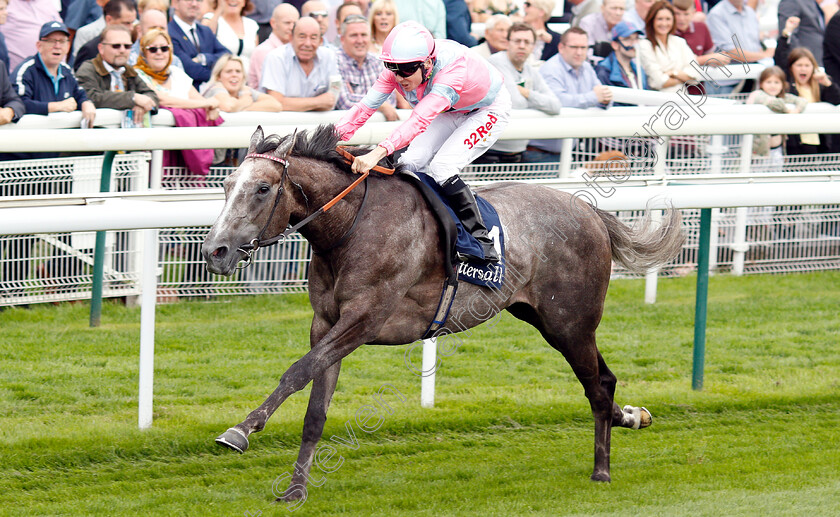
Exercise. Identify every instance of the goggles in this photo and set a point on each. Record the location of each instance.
(403, 69)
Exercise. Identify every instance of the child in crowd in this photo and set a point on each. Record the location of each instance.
(773, 92)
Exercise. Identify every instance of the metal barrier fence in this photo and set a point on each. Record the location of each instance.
(58, 267)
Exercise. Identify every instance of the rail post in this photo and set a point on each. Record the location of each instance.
(701, 299)
(99, 252)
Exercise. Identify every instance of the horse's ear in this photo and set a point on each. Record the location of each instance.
(288, 150)
(256, 138)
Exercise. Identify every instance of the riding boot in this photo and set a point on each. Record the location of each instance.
(462, 201)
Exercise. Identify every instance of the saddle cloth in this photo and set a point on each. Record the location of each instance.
(478, 273)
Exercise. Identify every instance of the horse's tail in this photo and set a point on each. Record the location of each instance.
(642, 247)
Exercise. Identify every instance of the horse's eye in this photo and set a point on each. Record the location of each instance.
(264, 189)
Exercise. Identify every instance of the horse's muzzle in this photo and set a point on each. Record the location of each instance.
(221, 260)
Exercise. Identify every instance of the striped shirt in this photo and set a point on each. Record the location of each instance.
(357, 79)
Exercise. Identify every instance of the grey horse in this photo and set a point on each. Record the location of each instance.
(378, 269)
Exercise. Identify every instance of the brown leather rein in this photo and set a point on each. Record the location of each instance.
(258, 242)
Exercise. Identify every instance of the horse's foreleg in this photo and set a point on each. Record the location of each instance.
(347, 335)
(323, 388)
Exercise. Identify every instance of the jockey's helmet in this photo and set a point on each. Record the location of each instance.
(406, 48)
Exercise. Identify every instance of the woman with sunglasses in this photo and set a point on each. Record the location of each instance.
(173, 86)
(176, 92)
(460, 109)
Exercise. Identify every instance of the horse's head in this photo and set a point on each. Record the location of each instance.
(257, 203)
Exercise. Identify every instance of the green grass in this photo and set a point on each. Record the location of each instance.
(511, 433)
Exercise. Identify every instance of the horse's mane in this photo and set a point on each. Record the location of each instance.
(318, 144)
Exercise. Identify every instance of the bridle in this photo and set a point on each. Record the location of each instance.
(259, 242)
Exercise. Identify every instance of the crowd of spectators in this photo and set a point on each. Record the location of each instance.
(203, 57)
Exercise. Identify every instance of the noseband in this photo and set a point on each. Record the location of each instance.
(257, 243)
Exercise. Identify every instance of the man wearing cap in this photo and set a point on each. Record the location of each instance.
(620, 68)
(112, 84)
(45, 83)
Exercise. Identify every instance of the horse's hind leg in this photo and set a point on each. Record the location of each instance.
(631, 416)
(598, 386)
(598, 381)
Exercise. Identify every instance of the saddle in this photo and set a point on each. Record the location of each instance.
(458, 242)
(454, 238)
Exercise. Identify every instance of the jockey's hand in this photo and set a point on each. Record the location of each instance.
(366, 162)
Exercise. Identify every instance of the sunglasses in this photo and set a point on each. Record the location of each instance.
(117, 46)
(355, 18)
(155, 50)
(56, 42)
(318, 14)
(403, 69)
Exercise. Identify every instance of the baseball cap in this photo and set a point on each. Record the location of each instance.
(50, 27)
(624, 29)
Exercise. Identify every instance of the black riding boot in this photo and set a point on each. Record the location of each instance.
(462, 201)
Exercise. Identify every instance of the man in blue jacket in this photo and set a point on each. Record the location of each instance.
(621, 67)
(44, 81)
(46, 84)
(194, 44)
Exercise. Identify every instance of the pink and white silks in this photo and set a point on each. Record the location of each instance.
(459, 112)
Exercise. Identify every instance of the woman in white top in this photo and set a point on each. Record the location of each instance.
(227, 85)
(665, 58)
(235, 31)
(172, 85)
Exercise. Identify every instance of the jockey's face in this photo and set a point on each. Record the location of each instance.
(411, 82)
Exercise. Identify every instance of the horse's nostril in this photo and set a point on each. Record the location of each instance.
(220, 252)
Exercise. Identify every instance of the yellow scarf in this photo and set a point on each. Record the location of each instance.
(159, 77)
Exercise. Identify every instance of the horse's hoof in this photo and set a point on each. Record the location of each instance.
(290, 496)
(641, 416)
(234, 439)
(603, 477)
(645, 418)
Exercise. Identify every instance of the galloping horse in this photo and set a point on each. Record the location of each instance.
(377, 271)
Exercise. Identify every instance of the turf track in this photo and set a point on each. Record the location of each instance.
(511, 433)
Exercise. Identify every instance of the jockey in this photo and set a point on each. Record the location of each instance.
(460, 109)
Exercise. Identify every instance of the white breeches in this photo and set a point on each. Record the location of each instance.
(453, 139)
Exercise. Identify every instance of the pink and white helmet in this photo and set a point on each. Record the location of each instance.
(408, 42)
